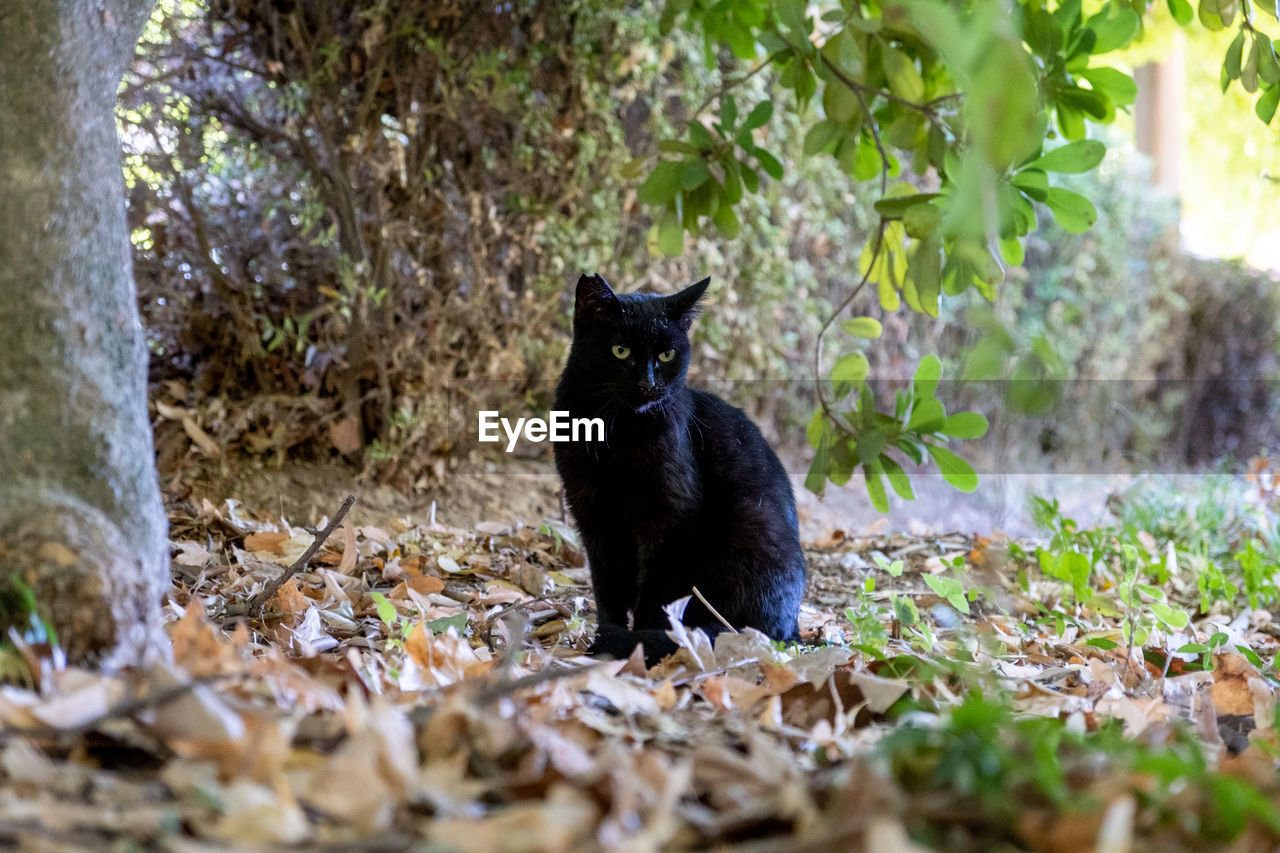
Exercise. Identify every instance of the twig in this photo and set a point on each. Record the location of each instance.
(716, 613)
(732, 83)
(817, 354)
(255, 604)
(925, 109)
(505, 687)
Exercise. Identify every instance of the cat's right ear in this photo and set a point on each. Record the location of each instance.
(594, 296)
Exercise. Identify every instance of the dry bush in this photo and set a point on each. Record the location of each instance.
(349, 204)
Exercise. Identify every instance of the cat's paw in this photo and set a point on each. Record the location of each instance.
(613, 641)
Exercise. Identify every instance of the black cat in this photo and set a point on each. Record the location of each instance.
(683, 491)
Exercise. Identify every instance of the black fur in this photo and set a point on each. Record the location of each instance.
(683, 492)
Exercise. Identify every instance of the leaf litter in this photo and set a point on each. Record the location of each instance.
(424, 683)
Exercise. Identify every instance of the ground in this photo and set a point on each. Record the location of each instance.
(421, 679)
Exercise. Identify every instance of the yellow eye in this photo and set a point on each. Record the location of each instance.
(664, 357)
(620, 351)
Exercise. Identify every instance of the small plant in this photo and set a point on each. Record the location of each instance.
(397, 627)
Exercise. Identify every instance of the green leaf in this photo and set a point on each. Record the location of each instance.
(875, 488)
(1073, 157)
(1033, 182)
(670, 234)
(1114, 27)
(1251, 656)
(906, 131)
(903, 76)
(897, 478)
(1075, 213)
(1114, 83)
(701, 137)
(740, 41)
(816, 480)
(726, 221)
(791, 15)
(1070, 121)
(674, 146)
(769, 163)
(1209, 17)
(1012, 251)
(840, 103)
(897, 207)
(662, 184)
(1249, 71)
(1231, 62)
(843, 460)
(927, 415)
(956, 471)
(925, 382)
(851, 367)
(728, 113)
(1265, 108)
(950, 589)
(693, 174)
(634, 168)
(863, 327)
(1182, 12)
(1170, 616)
(821, 135)
(924, 271)
(1101, 643)
(386, 610)
(1003, 104)
(965, 425)
(921, 220)
(759, 115)
(732, 179)
(870, 444)
(457, 622)
(817, 426)
(1268, 64)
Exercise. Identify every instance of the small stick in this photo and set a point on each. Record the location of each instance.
(714, 612)
(259, 601)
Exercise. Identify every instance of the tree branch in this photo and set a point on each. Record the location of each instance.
(254, 605)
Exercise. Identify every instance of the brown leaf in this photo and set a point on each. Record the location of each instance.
(197, 645)
(344, 435)
(270, 541)
(349, 549)
(289, 598)
(1230, 691)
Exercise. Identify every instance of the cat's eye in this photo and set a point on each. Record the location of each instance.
(620, 351)
(665, 357)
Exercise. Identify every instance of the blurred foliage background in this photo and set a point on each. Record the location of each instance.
(354, 224)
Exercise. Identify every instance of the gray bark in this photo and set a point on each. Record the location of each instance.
(81, 519)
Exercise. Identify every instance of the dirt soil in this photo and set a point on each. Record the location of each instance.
(528, 491)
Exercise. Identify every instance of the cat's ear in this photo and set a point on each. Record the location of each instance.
(594, 296)
(682, 307)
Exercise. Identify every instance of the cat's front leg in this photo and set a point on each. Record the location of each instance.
(613, 580)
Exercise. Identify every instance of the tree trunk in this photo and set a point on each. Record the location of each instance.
(81, 520)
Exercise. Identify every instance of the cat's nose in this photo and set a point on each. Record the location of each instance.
(646, 381)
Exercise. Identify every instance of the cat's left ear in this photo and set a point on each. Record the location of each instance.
(593, 297)
(682, 307)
